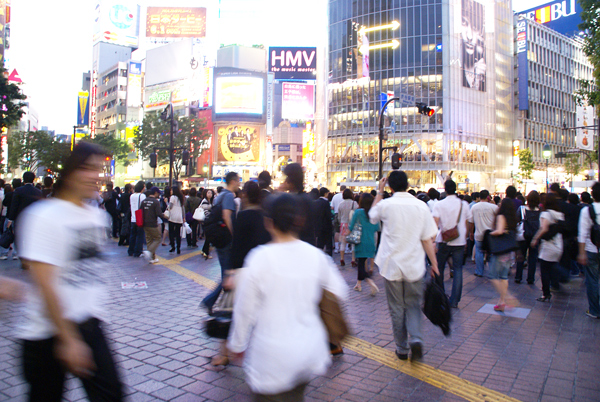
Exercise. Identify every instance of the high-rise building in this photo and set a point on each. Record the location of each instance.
(111, 107)
(454, 56)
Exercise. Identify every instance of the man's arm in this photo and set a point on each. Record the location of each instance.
(158, 211)
(430, 251)
(13, 207)
(227, 219)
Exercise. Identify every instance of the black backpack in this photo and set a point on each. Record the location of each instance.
(560, 226)
(436, 306)
(531, 224)
(215, 229)
(595, 232)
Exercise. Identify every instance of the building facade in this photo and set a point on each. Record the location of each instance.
(111, 100)
(455, 56)
(549, 66)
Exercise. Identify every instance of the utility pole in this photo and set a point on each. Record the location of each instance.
(171, 147)
(381, 114)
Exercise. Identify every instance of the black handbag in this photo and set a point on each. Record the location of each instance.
(220, 322)
(502, 244)
(7, 238)
(436, 306)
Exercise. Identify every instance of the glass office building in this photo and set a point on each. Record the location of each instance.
(454, 56)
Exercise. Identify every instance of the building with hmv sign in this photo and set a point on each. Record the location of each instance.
(455, 56)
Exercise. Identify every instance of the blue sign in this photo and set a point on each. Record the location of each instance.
(523, 70)
(438, 48)
(563, 16)
(284, 148)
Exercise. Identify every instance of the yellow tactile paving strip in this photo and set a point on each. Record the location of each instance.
(436, 377)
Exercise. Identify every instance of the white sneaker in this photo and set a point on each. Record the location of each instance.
(154, 261)
(3, 257)
(336, 251)
(15, 257)
(147, 255)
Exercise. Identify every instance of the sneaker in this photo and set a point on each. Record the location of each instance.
(15, 257)
(3, 257)
(592, 315)
(154, 261)
(402, 356)
(336, 251)
(147, 255)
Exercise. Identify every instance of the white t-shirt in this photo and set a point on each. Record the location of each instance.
(276, 317)
(585, 227)
(175, 210)
(71, 238)
(447, 212)
(135, 202)
(336, 200)
(551, 250)
(483, 215)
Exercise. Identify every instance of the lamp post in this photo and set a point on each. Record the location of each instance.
(547, 153)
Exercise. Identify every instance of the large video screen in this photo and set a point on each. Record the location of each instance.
(239, 95)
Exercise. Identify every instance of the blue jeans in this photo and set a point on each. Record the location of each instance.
(136, 240)
(479, 258)
(457, 253)
(531, 262)
(225, 261)
(591, 283)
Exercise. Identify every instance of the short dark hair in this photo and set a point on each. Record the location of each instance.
(475, 195)
(342, 187)
(433, 194)
(295, 176)
(484, 194)
(127, 188)
(48, 182)
(533, 199)
(552, 202)
(314, 193)
(595, 191)
(398, 181)
(323, 191)
(563, 194)
(2, 182)
(139, 186)
(348, 194)
(574, 199)
(109, 186)
(28, 177)
(252, 191)
(555, 187)
(450, 187)
(231, 176)
(511, 192)
(283, 209)
(374, 193)
(264, 179)
(16, 183)
(412, 192)
(149, 185)
(586, 198)
(193, 192)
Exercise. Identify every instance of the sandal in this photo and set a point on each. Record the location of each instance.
(219, 361)
(354, 264)
(342, 263)
(358, 288)
(500, 307)
(544, 299)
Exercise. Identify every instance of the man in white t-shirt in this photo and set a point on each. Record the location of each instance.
(408, 230)
(336, 200)
(589, 253)
(483, 217)
(452, 212)
(137, 235)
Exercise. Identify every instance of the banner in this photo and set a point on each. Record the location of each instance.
(473, 45)
(585, 118)
(83, 112)
(176, 22)
(238, 143)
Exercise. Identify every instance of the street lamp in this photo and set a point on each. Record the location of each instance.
(547, 153)
(205, 169)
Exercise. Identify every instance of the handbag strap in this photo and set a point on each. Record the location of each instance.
(459, 213)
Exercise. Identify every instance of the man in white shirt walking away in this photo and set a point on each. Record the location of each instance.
(483, 217)
(336, 200)
(589, 253)
(408, 233)
(452, 215)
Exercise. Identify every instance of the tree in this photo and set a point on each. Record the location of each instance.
(590, 15)
(572, 165)
(29, 150)
(10, 97)
(526, 164)
(154, 133)
(118, 148)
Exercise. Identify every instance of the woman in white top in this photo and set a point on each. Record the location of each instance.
(176, 219)
(206, 205)
(276, 319)
(344, 209)
(550, 250)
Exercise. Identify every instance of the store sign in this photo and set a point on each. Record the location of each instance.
(293, 62)
(176, 22)
(4, 145)
(523, 70)
(134, 84)
(161, 95)
(94, 104)
(116, 22)
(561, 16)
(298, 101)
(585, 118)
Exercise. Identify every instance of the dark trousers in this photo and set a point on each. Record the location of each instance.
(206, 247)
(457, 253)
(192, 238)
(549, 273)
(325, 240)
(116, 224)
(225, 261)
(136, 240)
(531, 262)
(175, 235)
(362, 271)
(46, 375)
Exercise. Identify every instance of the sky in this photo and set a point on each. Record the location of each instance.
(51, 42)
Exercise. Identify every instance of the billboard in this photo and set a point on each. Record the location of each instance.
(158, 96)
(94, 100)
(176, 22)
(523, 70)
(179, 54)
(298, 101)
(134, 84)
(239, 95)
(238, 143)
(299, 63)
(563, 16)
(472, 36)
(83, 111)
(116, 22)
(585, 118)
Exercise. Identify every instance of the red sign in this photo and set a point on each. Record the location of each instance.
(14, 77)
(205, 156)
(93, 105)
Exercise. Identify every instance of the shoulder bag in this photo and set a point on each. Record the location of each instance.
(355, 236)
(215, 229)
(502, 244)
(520, 225)
(333, 318)
(199, 215)
(452, 234)
(139, 213)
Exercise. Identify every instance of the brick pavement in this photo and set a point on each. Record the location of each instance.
(163, 353)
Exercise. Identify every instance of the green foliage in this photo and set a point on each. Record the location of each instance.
(590, 15)
(29, 150)
(572, 165)
(154, 133)
(10, 97)
(118, 148)
(526, 164)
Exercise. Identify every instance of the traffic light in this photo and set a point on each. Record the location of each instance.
(153, 160)
(185, 157)
(164, 115)
(396, 160)
(424, 109)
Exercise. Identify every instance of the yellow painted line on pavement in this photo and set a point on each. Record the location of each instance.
(436, 377)
(181, 258)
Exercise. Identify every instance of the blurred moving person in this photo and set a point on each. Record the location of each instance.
(366, 248)
(61, 239)
(136, 238)
(152, 213)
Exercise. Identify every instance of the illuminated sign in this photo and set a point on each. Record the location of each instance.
(298, 101)
(521, 36)
(116, 22)
(134, 84)
(94, 104)
(239, 95)
(161, 95)
(176, 22)
(206, 83)
(293, 62)
(585, 117)
(561, 16)
(83, 114)
(308, 145)
(4, 145)
(238, 143)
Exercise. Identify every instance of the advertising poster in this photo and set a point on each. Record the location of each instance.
(238, 143)
(176, 22)
(585, 118)
(523, 70)
(563, 16)
(298, 101)
(473, 45)
(134, 84)
(83, 112)
(239, 95)
(116, 22)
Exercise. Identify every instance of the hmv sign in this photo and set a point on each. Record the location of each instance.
(293, 63)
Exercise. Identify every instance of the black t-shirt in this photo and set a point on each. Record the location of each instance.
(248, 232)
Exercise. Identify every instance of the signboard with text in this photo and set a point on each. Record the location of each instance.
(238, 143)
(563, 16)
(299, 63)
(116, 22)
(298, 101)
(176, 22)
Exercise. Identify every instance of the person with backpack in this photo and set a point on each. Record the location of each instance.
(483, 215)
(551, 247)
(589, 243)
(529, 215)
